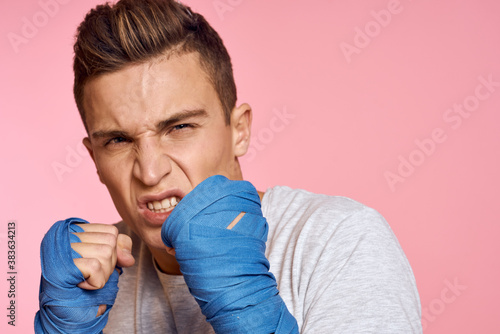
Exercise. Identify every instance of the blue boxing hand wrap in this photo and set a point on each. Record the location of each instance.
(64, 307)
(225, 266)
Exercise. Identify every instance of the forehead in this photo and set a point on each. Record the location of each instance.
(149, 91)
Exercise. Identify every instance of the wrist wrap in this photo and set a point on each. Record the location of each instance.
(64, 307)
(226, 269)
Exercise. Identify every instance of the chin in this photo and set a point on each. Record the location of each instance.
(148, 235)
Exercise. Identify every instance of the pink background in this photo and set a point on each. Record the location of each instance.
(351, 118)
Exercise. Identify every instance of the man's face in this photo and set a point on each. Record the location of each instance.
(156, 131)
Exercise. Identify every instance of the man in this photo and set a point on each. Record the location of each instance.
(155, 90)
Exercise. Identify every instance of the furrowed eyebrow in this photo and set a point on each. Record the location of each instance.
(175, 118)
(180, 116)
(109, 134)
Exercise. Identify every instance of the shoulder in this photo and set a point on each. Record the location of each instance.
(320, 216)
(347, 229)
(334, 255)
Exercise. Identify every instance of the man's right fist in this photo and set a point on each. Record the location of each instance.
(79, 276)
(101, 249)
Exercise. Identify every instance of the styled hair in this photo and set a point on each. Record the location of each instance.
(129, 32)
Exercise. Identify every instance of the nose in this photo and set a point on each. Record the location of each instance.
(151, 163)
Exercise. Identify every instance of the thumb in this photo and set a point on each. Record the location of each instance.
(124, 256)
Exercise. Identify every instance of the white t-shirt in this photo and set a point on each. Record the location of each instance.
(338, 266)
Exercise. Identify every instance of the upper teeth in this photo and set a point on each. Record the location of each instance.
(164, 205)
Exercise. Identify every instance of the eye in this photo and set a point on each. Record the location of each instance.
(182, 126)
(116, 140)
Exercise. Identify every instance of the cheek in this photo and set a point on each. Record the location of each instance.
(117, 181)
(204, 156)
(114, 173)
(215, 148)
(217, 156)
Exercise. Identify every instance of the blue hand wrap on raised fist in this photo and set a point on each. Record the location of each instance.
(64, 307)
(225, 268)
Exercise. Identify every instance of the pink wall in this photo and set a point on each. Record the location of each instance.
(354, 90)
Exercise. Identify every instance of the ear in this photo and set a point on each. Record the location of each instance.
(88, 145)
(241, 123)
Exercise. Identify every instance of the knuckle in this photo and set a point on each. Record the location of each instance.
(100, 284)
(112, 229)
(94, 265)
(110, 239)
(106, 250)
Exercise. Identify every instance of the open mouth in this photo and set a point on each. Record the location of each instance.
(164, 205)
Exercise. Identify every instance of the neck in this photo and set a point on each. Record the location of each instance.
(261, 195)
(165, 262)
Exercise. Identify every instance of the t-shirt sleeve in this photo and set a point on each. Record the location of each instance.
(358, 278)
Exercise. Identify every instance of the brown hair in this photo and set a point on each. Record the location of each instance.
(135, 31)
